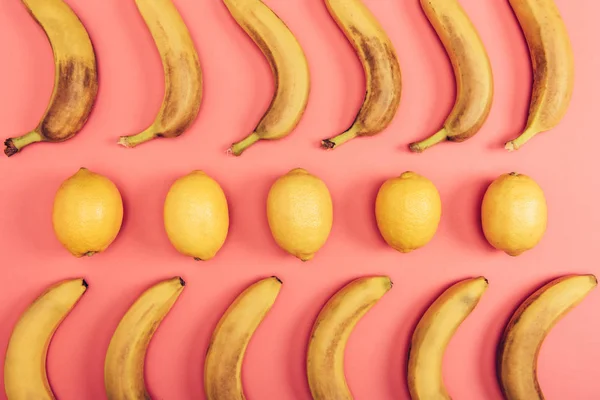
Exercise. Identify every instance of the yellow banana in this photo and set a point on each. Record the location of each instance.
(380, 65)
(288, 64)
(223, 364)
(472, 71)
(433, 333)
(552, 63)
(335, 323)
(25, 362)
(527, 329)
(183, 76)
(124, 364)
(75, 76)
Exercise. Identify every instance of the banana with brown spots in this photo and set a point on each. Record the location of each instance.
(380, 65)
(75, 77)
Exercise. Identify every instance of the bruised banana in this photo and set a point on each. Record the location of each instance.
(223, 364)
(335, 323)
(75, 77)
(552, 63)
(183, 76)
(380, 65)
(124, 364)
(289, 67)
(433, 333)
(25, 363)
(472, 71)
(527, 329)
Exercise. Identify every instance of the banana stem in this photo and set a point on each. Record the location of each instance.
(438, 137)
(517, 143)
(14, 145)
(342, 138)
(238, 148)
(142, 137)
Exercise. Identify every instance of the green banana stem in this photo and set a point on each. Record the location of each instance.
(14, 145)
(239, 147)
(142, 137)
(438, 137)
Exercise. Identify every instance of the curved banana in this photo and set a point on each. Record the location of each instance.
(75, 77)
(527, 329)
(433, 333)
(335, 323)
(288, 64)
(25, 362)
(124, 364)
(183, 76)
(472, 71)
(223, 364)
(552, 63)
(380, 65)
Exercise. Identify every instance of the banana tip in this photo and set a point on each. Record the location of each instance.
(327, 144)
(510, 146)
(84, 283)
(10, 149)
(181, 281)
(415, 148)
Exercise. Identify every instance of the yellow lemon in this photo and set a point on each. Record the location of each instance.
(408, 211)
(300, 213)
(196, 216)
(514, 213)
(87, 213)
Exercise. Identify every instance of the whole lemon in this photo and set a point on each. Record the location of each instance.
(196, 216)
(300, 213)
(408, 211)
(514, 213)
(87, 213)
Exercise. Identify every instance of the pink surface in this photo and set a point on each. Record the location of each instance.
(238, 88)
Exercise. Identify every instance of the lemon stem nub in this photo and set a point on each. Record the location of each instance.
(239, 147)
(517, 143)
(341, 138)
(434, 139)
(142, 137)
(14, 145)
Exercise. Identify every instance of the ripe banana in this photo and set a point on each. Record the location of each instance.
(183, 76)
(552, 63)
(75, 77)
(472, 71)
(380, 65)
(25, 362)
(527, 329)
(124, 364)
(335, 323)
(288, 64)
(433, 333)
(223, 364)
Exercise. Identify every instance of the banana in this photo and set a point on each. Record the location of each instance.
(223, 364)
(552, 63)
(183, 76)
(527, 329)
(380, 65)
(335, 323)
(289, 67)
(25, 363)
(472, 71)
(75, 78)
(124, 364)
(433, 333)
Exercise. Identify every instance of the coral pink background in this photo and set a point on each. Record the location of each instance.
(238, 88)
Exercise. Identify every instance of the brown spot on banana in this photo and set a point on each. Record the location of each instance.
(76, 77)
(472, 71)
(381, 68)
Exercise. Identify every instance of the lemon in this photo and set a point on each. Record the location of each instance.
(408, 211)
(87, 213)
(196, 216)
(514, 213)
(300, 213)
